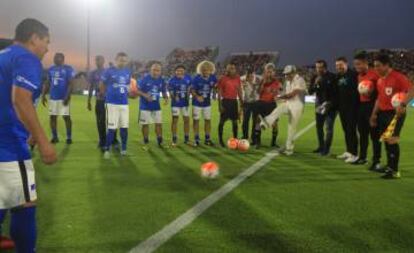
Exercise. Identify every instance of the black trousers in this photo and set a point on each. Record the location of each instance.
(366, 131)
(100, 112)
(349, 120)
(249, 111)
(325, 122)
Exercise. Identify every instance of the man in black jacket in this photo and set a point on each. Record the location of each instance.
(323, 86)
(348, 104)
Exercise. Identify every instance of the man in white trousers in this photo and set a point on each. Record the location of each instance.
(292, 104)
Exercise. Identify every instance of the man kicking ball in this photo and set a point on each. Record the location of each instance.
(115, 86)
(179, 87)
(292, 105)
(20, 87)
(60, 83)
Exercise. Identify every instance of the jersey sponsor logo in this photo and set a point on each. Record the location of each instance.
(388, 91)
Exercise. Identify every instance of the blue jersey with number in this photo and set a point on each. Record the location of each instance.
(117, 85)
(59, 79)
(153, 87)
(21, 68)
(203, 87)
(179, 91)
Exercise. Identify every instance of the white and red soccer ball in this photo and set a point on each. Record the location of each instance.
(365, 87)
(398, 98)
(210, 170)
(241, 145)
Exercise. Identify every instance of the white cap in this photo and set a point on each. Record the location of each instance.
(289, 69)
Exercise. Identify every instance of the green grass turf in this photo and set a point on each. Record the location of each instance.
(302, 203)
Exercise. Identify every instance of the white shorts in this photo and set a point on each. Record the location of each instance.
(17, 184)
(150, 117)
(56, 108)
(205, 111)
(176, 111)
(117, 116)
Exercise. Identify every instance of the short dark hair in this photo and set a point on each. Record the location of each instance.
(383, 58)
(231, 63)
(28, 27)
(121, 54)
(362, 56)
(59, 54)
(342, 58)
(179, 67)
(99, 57)
(323, 62)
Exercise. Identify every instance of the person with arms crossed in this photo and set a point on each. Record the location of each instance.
(390, 83)
(367, 102)
(323, 86)
(229, 88)
(269, 90)
(179, 87)
(149, 89)
(348, 105)
(115, 85)
(203, 87)
(20, 87)
(60, 84)
(293, 102)
(250, 87)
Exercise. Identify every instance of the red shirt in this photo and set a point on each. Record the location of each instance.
(270, 91)
(229, 87)
(389, 85)
(372, 76)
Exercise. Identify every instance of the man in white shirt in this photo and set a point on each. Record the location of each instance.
(292, 105)
(250, 87)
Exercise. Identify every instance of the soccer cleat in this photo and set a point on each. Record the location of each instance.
(344, 156)
(124, 153)
(287, 152)
(107, 155)
(318, 150)
(162, 146)
(390, 174)
(54, 140)
(174, 144)
(263, 123)
(145, 147)
(209, 143)
(222, 144)
(6, 243)
(69, 141)
(196, 144)
(376, 167)
(352, 159)
(360, 162)
(274, 145)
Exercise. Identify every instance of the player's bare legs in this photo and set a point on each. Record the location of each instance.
(53, 127)
(196, 129)
(174, 129)
(207, 131)
(158, 132)
(68, 123)
(145, 133)
(186, 129)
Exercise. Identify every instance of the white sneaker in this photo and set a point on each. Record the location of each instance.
(288, 152)
(123, 153)
(263, 123)
(352, 159)
(344, 156)
(107, 155)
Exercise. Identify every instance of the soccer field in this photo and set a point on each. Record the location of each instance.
(302, 203)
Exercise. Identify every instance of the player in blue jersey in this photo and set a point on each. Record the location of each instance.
(149, 89)
(20, 87)
(203, 89)
(179, 87)
(115, 86)
(59, 83)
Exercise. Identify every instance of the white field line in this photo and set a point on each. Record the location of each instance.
(156, 240)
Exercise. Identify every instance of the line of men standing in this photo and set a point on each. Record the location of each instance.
(363, 116)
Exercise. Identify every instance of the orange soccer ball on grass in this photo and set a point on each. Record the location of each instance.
(243, 145)
(210, 170)
(232, 143)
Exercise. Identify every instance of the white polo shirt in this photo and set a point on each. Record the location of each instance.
(298, 83)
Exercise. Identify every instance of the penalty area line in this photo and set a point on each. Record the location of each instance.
(159, 238)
